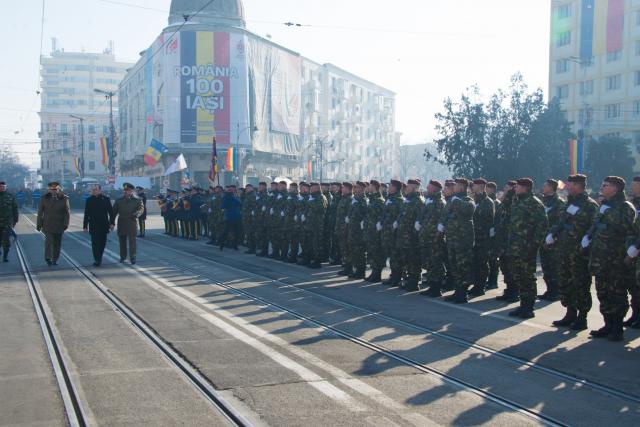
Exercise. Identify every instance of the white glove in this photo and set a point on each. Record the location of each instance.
(210, 210)
(417, 225)
(346, 220)
(361, 225)
(295, 218)
(253, 213)
(549, 240)
(604, 208)
(441, 228)
(573, 209)
(492, 232)
(379, 227)
(282, 214)
(633, 251)
(271, 211)
(395, 224)
(264, 208)
(586, 241)
(303, 218)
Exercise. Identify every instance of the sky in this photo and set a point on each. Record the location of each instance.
(423, 50)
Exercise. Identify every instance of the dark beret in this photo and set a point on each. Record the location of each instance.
(525, 182)
(56, 184)
(396, 183)
(480, 181)
(375, 183)
(512, 183)
(293, 184)
(248, 185)
(436, 183)
(449, 183)
(3, 183)
(262, 183)
(337, 184)
(578, 178)
(274, 183)
(384, 184)
(553, 183)
(492, 185)
(463, 181)
(304, 184)
(325, 184)
(636, 179)
(313, 184)
(283, 182)
(347, 184)
(617, 181)
(415, 181)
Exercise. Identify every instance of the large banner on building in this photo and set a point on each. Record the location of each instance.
(285, 93)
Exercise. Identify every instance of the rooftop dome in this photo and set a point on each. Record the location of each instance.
(219, 12)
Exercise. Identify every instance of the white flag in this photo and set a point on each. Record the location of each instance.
(178, 165)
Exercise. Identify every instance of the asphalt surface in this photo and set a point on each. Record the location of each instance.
(291, 346)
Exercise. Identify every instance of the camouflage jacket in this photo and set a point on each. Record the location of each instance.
(553, 206)
(457, 219)
(342, 210)
(527, 227)
(410, 213)
(375, 214)
(434, 206)
(575, 220)
(483, 217)
(262, 207)
(291, 210)
(8, 210)
(392, 208)
(357, 215)
(248, 206)
(315, 211)
(612, 230)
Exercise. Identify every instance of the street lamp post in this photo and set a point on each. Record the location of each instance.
(112, 130)
(585, 121)
(82, 162)
(237, 153)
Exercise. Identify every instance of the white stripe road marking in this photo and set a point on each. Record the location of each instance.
(315, 380)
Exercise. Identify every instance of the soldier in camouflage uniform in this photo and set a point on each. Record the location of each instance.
(374, 227)
(634, 285)
(409, 226)
(261, 226)
(277, 214)
(356, 221)
(483, 218)
(326, 227)
(431, 242)
(248, 218)
(457, 226)
(313, 224)
(303, 236)
(553, 206)
(342, 231)
(607, 239)
(511, 293)
(494, 266)
(392, 208)
(332, 214)
(449, 281)
(292, 224)
(8, 218)
(527, 228)
(574, 281)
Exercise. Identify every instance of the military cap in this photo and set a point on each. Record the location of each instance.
(139, 188)
(617, 181)
(313, 184)
(415, 181)
(635, 179)
(283, 182)
(128, 186)
(436, 183)
(3, 183)
(337, 184)
(449, 183)
(553, 183)
(348, 185)
(396, 183)
(213, 188)
(492, 185)
(293, 184)
(375, 184)
(384, 185)
(512, 183)
(304, 184)
(262, 183)
(463, 181)
(219, 187)
(480, 181)
(274, 183)
(361, 184)
(577, 178)
(55, 184)
(525, 182)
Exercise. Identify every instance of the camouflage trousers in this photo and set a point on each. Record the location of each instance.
(279, 238)
(375, 252)
(481, 251)
(316, 244)
(507, 273)
(494, 263)
(550, 259)
(634, 286)
(357, 249)
(294, 242)
(435, 255)
(410, 260)
(524, 277)
(262, 237)
(460, 260)
(5, 238)
(611, 288)
(574, 282)
(249, 230)
(343, 239)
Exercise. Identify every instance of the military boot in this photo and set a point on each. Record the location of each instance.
(635, 314)
(492, 281)
(346, 270)
(5, 255)
(434, 290)
(477, 291)
(636, 324)
(358, 273)
(605, 330)
(375, 277)
(410, 286)
(393, 280)
(568, 318)
(458, 297)
(580, 322)
(617, 330)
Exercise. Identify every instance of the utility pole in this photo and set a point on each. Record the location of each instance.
(112, 131)
(82, 162)
(237, 153)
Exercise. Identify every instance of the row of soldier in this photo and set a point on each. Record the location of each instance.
(460, 233)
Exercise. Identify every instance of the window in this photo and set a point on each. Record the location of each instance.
(638, 18)
(586, 88)
(92, 166)
(92, 146)
(105, 130)
(614, 56)
(47, 164)
(636, 108)
(564, 38)
(562, 66)
(63, 128)
(613, 111)
(562, 91)
(92, 129)
(614, 82)
(563, 11)
(636, 137)
(636, 80)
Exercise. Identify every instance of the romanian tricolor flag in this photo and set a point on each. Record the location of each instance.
(601, 27)
(104, 149)
(77, 165)
(213, 170)
(154, 153)
(310, 169)
(576, 156)
(231, 159)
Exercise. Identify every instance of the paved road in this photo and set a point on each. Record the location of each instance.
(292, 346)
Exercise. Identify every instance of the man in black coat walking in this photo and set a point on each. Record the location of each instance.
(98, 220)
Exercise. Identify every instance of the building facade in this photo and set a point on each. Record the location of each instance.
(68, 81)
(278, 113)
(595, 66)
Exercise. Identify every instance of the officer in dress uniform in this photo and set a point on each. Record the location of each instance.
(53, 219)
(143, 218)
(127, 210)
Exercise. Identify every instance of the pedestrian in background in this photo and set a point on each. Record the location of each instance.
(8, 218)
(231, 206)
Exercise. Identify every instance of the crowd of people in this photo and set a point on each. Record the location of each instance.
(455, 237)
